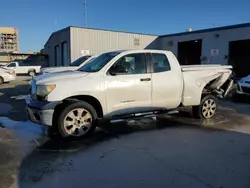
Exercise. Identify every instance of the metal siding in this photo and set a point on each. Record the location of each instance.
(100, 41)
(57, 39)
(209, 41)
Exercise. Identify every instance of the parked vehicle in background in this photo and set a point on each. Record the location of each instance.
(21, 67)
(6, 75)
(73, 66)
(121, 85)
(243, 86)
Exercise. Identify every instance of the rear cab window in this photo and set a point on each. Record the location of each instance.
(160, 63)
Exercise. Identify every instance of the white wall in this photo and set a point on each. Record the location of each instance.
(209, 41)
(100, 41)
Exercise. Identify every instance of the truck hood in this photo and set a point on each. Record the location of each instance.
(58, 76)
(57, 69)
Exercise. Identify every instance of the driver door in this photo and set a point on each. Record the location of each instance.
(128, 86)
(12, 66)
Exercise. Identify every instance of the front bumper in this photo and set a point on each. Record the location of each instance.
(243, 89)
(41, 112)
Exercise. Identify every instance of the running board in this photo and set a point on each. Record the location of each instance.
(139, 116)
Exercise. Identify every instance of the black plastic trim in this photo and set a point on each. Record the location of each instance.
(43, 105)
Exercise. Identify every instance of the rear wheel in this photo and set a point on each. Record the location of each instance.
(31, 72)
(1, 81)
(206, 109)
(77, 119)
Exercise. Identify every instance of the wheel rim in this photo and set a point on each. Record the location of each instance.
(209, 108)
(77, 122)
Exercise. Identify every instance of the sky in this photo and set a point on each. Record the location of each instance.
(37, 19)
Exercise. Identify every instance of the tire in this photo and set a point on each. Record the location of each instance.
(31, 72)
(78, 125)
(1, 80)
(206, 109)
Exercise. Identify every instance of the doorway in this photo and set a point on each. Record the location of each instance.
(57, 54)
(239, 57)
(65, 54)
(189, 52)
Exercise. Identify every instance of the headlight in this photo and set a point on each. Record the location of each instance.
(44, 90)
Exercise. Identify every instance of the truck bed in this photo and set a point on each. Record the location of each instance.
(195, 77)
(186, 68)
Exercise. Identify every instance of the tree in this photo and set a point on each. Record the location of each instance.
(41, 51)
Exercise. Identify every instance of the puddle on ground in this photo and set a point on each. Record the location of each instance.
(26, 131)
(19, 97)
(5, 108)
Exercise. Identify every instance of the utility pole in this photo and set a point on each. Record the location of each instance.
(85, 13)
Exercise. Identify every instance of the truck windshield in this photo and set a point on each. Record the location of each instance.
(79, 61)
(98, 63)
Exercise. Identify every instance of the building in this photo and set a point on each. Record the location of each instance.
(9, 39)
(66, 45)
(221, 45)
(36, 59)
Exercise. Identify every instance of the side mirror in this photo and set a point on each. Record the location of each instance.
(118, 69)
(112, 73)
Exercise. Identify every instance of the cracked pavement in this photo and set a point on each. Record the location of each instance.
(174, 151)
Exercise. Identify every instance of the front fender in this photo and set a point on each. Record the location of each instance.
(100, 96)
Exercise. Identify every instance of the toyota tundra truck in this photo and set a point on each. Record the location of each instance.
(124, 84)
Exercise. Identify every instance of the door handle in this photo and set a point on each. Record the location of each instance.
(145, 79)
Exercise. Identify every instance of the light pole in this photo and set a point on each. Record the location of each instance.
(85, 13)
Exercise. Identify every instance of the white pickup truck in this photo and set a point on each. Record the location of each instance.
(73, 66)
(22, 68)
(124, 84)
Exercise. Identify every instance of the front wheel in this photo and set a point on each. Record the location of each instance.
(1, 80)
(77, 119)
(206, 109)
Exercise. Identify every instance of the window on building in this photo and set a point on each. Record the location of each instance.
(136, 41)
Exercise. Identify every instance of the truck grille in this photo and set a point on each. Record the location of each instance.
(246, 90)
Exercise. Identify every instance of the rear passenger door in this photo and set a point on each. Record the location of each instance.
(22, 68)
(166, 85)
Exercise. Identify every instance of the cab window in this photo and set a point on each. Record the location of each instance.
(160, 63)
(130, 64)
(12, 65)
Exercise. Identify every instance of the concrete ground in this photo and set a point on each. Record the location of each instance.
(175, 151)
